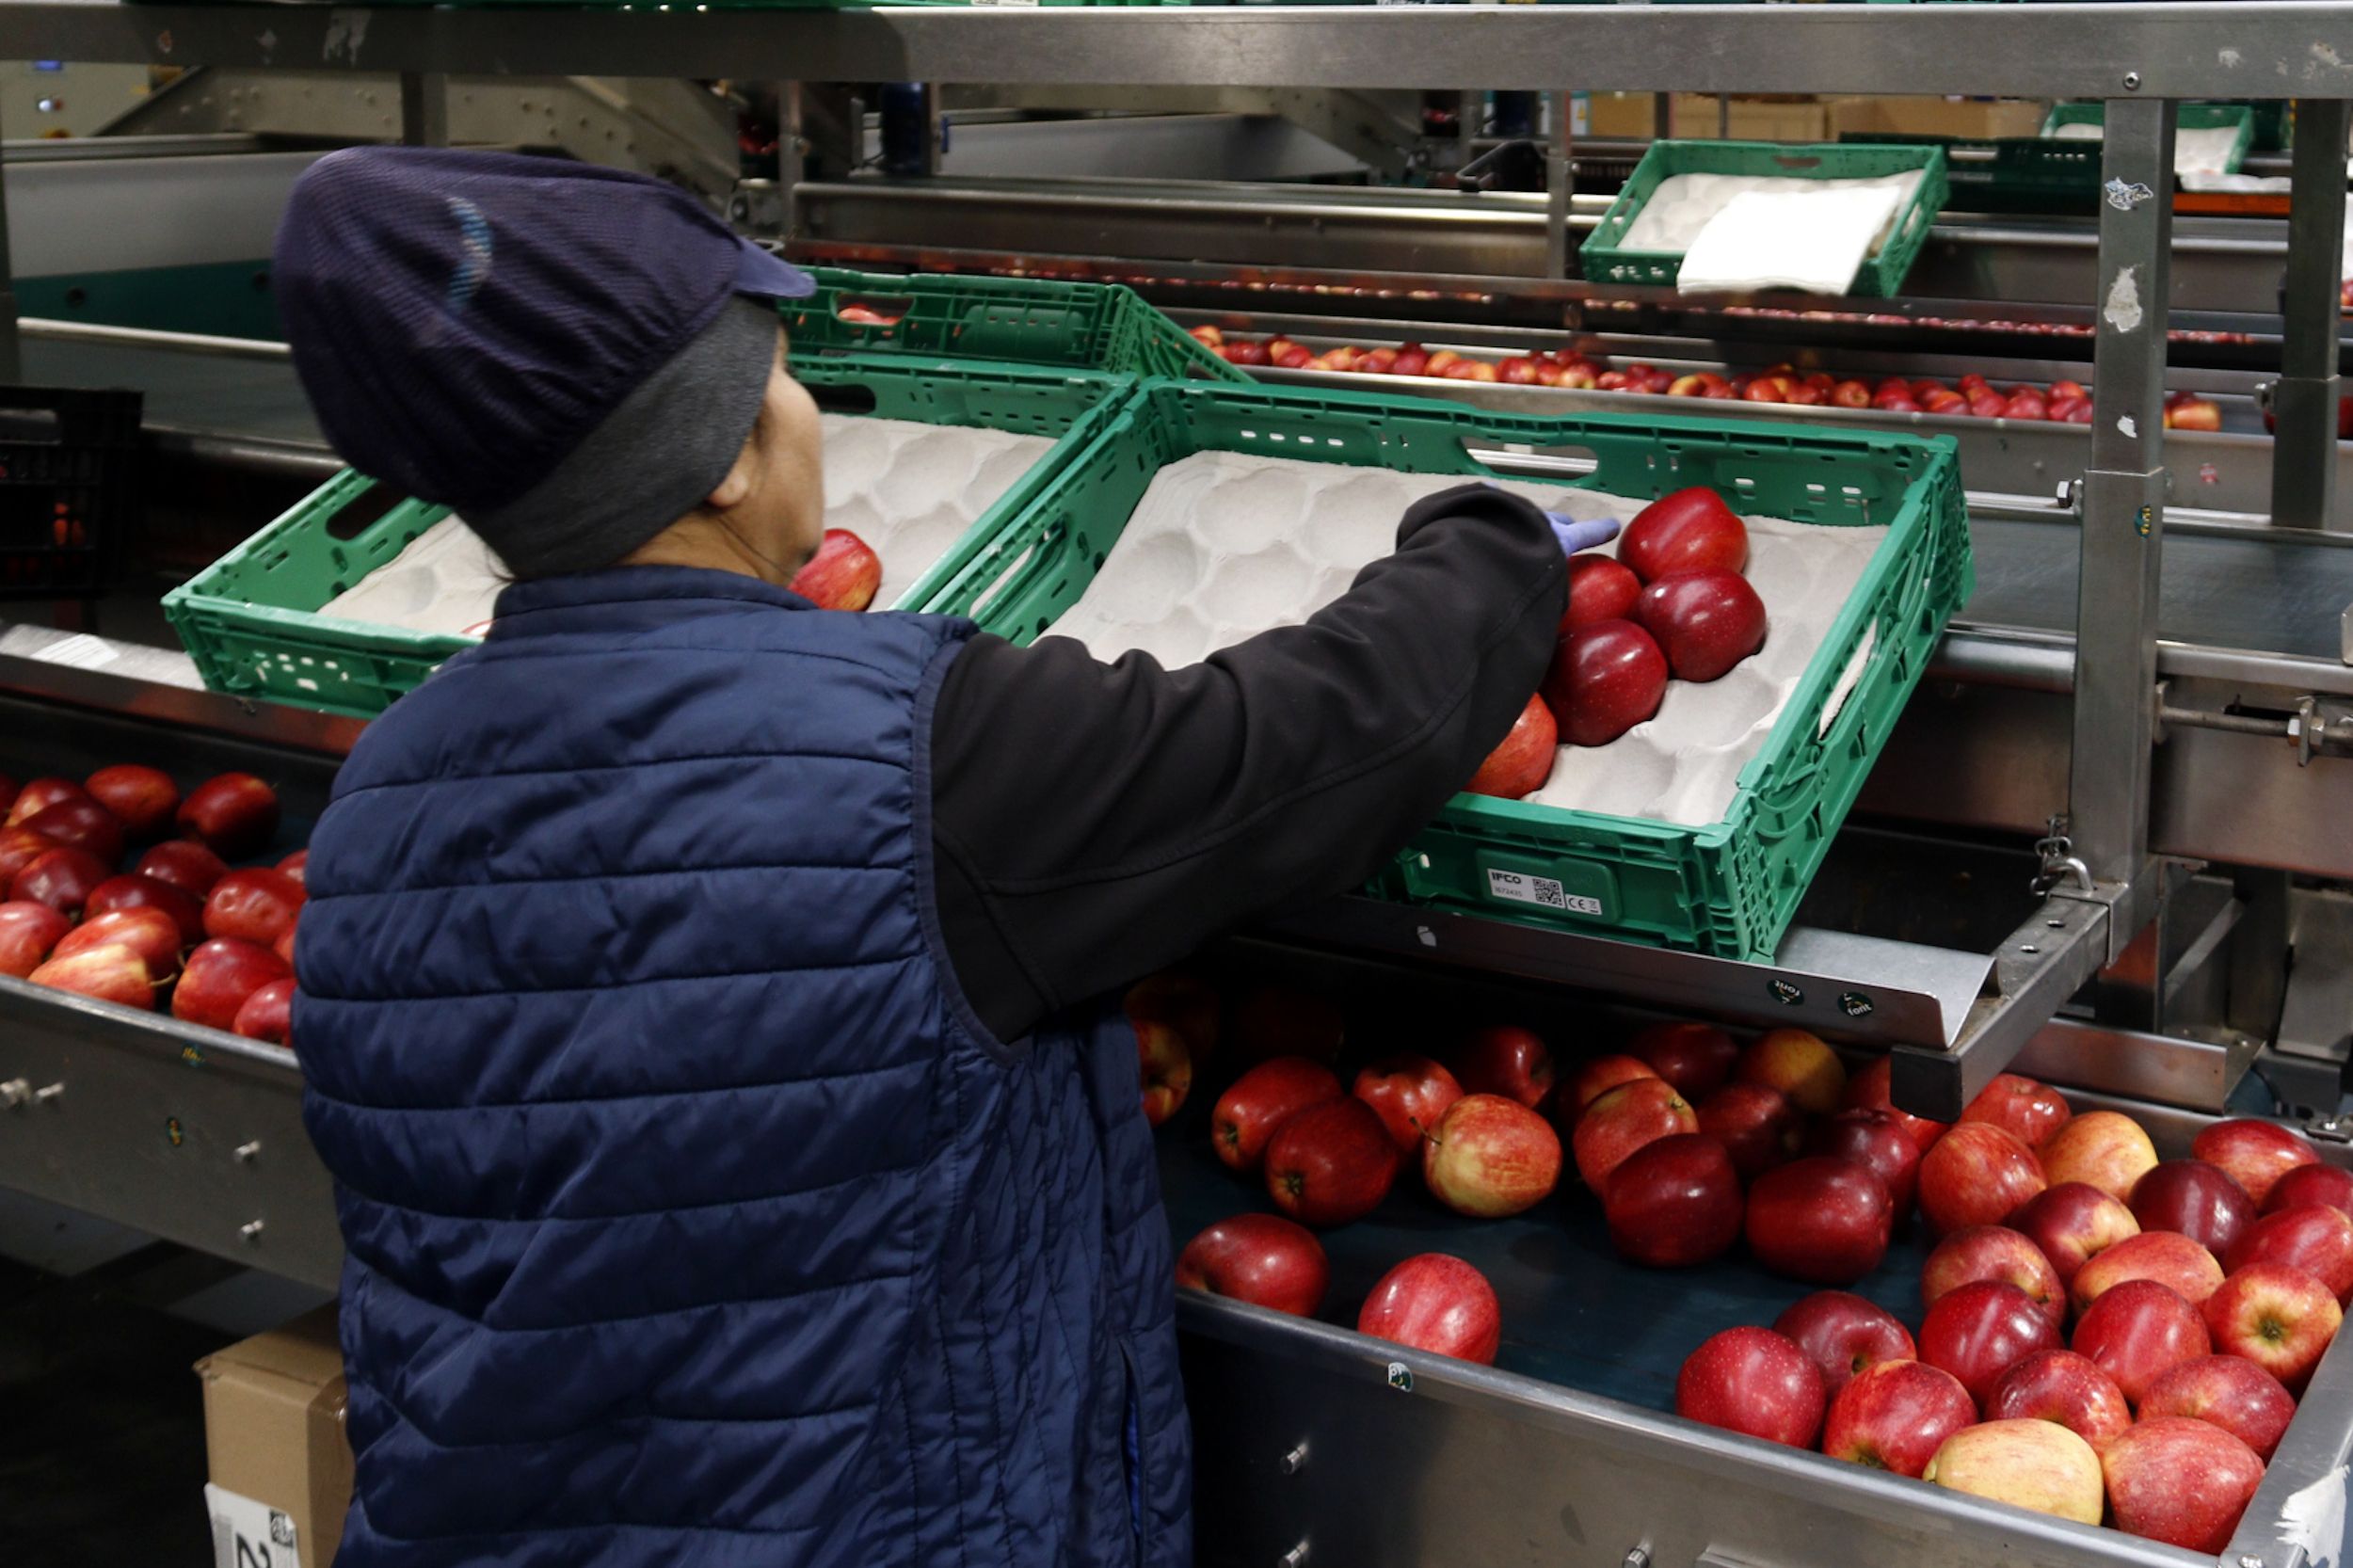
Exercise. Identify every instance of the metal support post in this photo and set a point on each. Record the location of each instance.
(935, 135)
(424, 108)
(791, 157)
(1662, 115)
(11, 356)
(2304, 448)
(1560, 184)
(2123, 514)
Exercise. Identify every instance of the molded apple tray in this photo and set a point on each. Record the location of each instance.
(1203, 514)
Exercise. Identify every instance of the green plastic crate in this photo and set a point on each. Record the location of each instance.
(1607, 260)
(1728, 888)
(2190, 117)
(250, 619)
(1038, 321)
(2009, 174)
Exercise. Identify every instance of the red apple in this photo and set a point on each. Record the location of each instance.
(1491, 1155)
(142, 799)
(1622, 1121)
(1758, 1127)
(1980, 1330)
(1205, 334)
(2103, 1148)
(2030, 1110)
(297, 865)
(1262, 1100)
(2195, 1199)
(1976, 1175)
(219, 976)
(1895, 1415)
(1752, 1380)
(1435, 1302)
(1522, 761)
(150, 933)
(268, 1013)
(81, 824)
(113, 973)
(1176, 997)
(2230, 1392)
(842, 575)
(255, 903)
(2317, 1241)
(145, 892)
(29, 931)
(2277, 1316)
(2139, 1329)
(1261, 1259)
(1822, 1220)
(39, 794)
(284, 946)
(1279, 345)
(1517, 370)
(1696, 1058)
(20, 846)
(1506, 1061)
(1799, 1066)
(1164, 1060)
(1599, 590)
(1331, 1163)
(2164, 1256)
(1277, 1020)
(1686, 531)
(2312, 1187)
(2181, 1482)
(184, 864)
(2035, 1464)
(1995, 1253)
(1844, 1334)
(2194, 413)
(1704, 621)
(1410, 1094)
(1605, 678)
(1870, 1088)
(1877, 1142)
(1412, 360)
(1241, 352)
(1594, 1079)
(2062, 1386)
(1850, 395)
(2072, 1223)
(61, 878)
(233, 814)
(1674, 1202)
(2255, 1154)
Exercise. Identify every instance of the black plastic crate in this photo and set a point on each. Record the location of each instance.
(68, 487)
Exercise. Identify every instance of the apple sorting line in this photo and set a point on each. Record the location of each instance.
(1226, 544)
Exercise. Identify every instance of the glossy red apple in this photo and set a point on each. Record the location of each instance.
(1412, 360)
(284, 946)
(2228, 1391)
(2312, 1187)
(1331, 1163)
(2195, 1199)
(2139, 1329)
(1877, 1142)
(255, 903)
(82, 824)
(1895, 1415)
(2061, 1387)
(233, 814)
(1409, 1094)
(1976, 1175)
(1622, 1121)
(1490, 1156)
(1523, 760)
(845, 573)
(1758, 1127)
(2317, 1241)
(1822, 1220)
(1870, 1088)
(2103, 1149)
(1704, 621)
(2072, 1223)
(61, 878)
(1504, 1060)
(113, 973)
(2020, 1106)
(20, 846)
(1844, 1334)
(1995, 1253)
(2164, 1256)
(39, 794)
(2276, 1315)
(29, 931)
(183, 863)
(298, 865)
(145, 892)
(2181, 1482)
(143, 799)
(268, 1013)
(1163, 1059)
(1697, 1059)
(1980, 1330)
(1687, 531)
(1752, 1380)
(1674, 1202)
(1435, 1302)
(1592, 1081)
(1599, 590)
(150, 933)
(1798, 1063)
(1261, 1259)
(2256, 1154)
(1280, 1020)
(219, 977)
(2037, 1465)
(1605, 678)
(1262, 1100)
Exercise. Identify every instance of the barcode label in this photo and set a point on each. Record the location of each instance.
(247, 1534)
(1540, 890)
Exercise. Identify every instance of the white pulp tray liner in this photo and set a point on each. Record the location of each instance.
(1685, 204)
(910, 491)
(2205, 149)
(1225, 545)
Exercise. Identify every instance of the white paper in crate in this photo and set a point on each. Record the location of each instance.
(1812, 240)
(1685, 204)
(1225, 545)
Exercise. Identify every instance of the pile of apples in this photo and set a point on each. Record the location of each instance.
(845, 575)
(1672, 602)
(87, 909)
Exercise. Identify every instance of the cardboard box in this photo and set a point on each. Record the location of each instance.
(1977, 119)
(274, 1435)
(1630, 114)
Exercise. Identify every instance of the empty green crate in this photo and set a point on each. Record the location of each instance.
(1608, 260)
(251, 619)
(1728, 888)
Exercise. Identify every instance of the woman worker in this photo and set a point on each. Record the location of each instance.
(701, 993)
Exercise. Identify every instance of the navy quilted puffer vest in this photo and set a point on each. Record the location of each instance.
(693, 1218)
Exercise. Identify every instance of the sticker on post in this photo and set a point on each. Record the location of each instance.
(1543, 892)
(2124, 196)
(247, 1534)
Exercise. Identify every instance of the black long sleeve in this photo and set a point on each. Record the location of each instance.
(1094, 821)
